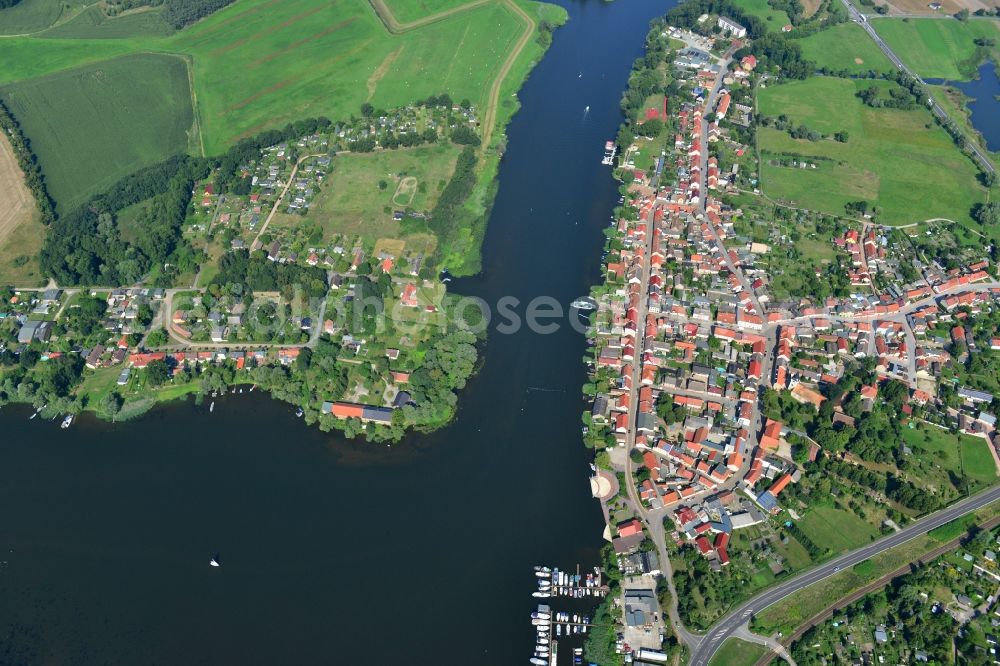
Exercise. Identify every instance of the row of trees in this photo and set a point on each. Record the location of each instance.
(447, 214)
(26, 159)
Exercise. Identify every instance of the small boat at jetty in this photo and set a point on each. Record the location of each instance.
(67, 422)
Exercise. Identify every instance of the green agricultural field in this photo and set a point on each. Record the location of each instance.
(937, 48)
(29, 16)
(835, 529)
(352, 201)
(92, 23)
(256, 69)
(93, 125)
(845, 47)
(259, 64)
(407, 11)
(775, 18)
(889, 155)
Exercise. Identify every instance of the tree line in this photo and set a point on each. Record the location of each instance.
(446, 215)
(85, 246)
(178, 13)
(26, 159)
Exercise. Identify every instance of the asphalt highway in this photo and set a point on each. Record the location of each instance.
(732, 621)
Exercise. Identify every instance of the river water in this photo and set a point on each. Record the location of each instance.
(333, 551)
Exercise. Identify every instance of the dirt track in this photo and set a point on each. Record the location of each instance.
(15, 198)
(490, 113)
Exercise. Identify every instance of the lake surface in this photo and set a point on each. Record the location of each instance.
(333, 551)
(985, 107)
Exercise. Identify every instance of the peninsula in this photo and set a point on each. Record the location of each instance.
(279, 216)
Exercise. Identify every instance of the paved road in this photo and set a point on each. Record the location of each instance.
(862, 20)
(733, 621)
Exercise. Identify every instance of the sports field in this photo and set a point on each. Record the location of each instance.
(845, 47)
(890, 155)
(92, 125)
(936, 48)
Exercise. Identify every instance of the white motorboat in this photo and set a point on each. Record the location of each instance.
(215, 561)
(67, 422)
(541, 595)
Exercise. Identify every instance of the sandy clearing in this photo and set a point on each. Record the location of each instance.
(16, 202)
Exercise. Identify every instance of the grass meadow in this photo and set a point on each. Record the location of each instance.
(890, 154)
(845, 47)
(775, 18)
(936, 48)
(352, 203)
(736, 652)
(835, 529)
(92, 125)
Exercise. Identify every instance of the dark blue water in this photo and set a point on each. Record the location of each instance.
(339, 552)
(984, 107)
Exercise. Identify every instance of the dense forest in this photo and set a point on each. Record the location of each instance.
(178, 13)
(4, 4)
(258, 274)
